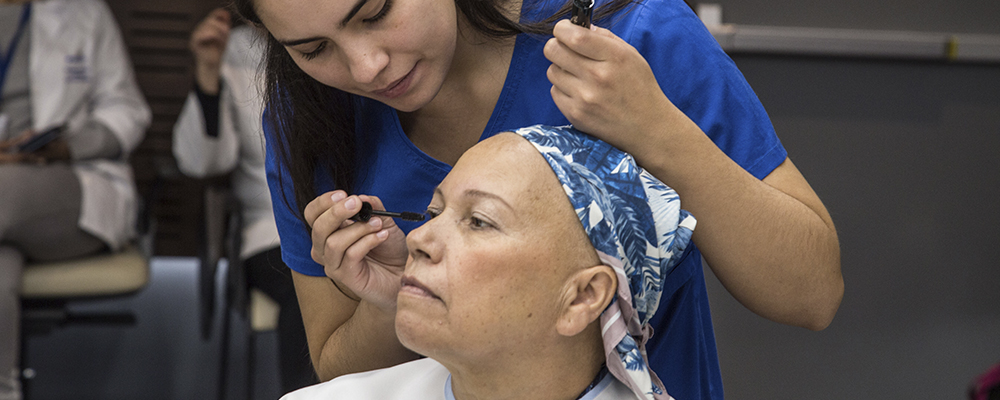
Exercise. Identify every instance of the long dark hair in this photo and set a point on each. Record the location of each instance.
(313, 124)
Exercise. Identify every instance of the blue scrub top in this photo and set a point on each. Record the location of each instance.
(692, 70)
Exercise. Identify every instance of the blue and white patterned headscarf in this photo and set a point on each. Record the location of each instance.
(638, 228)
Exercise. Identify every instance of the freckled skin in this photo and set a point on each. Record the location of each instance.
(499, 287)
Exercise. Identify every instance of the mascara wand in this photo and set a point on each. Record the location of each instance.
(367, 211)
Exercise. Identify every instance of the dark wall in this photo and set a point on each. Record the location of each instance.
(904, 155)
(955, 16)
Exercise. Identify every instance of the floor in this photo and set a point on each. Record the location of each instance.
(162, 356)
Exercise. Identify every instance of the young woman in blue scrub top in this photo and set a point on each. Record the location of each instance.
(378, 98)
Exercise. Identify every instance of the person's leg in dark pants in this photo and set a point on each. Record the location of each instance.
(267, 272)
(39, 214)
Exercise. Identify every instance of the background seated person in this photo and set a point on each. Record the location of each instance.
(62, 63)
(506, 295)
(218, 132)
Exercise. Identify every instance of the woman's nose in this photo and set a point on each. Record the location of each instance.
(424, 243)
(365, 62)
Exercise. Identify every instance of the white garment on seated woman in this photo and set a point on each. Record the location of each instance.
(423, 379)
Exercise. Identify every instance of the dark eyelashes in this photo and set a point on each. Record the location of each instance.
(312, 54)
(375, 18)
(381, 13)
(473, 222)
(478, 223)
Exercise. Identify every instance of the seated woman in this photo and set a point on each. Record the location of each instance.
(529, 284)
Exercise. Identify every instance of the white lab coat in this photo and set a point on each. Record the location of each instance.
(240, 145)
(424, 379)
(79, 69)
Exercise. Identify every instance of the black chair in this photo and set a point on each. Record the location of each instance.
(222, 232)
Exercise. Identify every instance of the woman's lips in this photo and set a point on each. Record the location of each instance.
(399, 87)
(413, 286)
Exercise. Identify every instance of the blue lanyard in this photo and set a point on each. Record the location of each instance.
(6, 58)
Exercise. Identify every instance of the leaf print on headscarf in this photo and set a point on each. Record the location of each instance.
(635, 223)
(630, 355)
(633, 244)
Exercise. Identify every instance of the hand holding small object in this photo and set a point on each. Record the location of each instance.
(35, 148)
(367, 211)
(365, 259)
(605, 87)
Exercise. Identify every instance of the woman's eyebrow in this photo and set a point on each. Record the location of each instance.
(475, 193)
(296, 42)
(350, 14)
(353, 12)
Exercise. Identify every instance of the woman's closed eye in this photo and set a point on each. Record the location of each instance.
(312, 54)
(381, 13)
(371, 20)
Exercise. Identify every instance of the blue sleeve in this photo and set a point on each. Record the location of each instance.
(704, 83)
(296, 245)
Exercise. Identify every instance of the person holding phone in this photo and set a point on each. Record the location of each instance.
(64, 66)
(375, 100)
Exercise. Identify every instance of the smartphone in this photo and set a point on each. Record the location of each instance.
(40, 140)
(583, 11)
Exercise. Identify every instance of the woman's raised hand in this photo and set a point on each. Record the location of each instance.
(365, 260)
(208, 44)
(605, 87)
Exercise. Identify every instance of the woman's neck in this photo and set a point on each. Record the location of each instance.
(477, 69)
(561, 374)
(455, 119)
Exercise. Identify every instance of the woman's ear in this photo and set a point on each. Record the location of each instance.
(587, 294)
